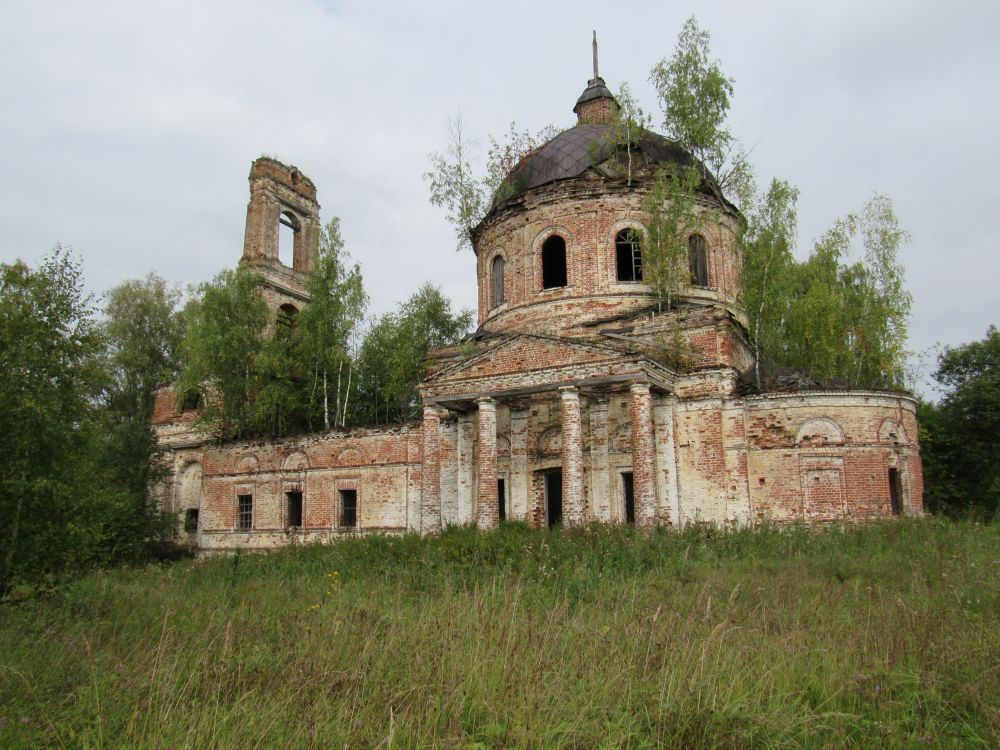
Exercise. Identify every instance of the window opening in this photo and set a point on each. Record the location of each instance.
(698, 260)
(191, 520)
(191, 402)
(497, 279)
(629, 255)
(293, 503)
(553, 498)
(628, 489)
(501, 499)
(288, 229)
(553, 262)
(287, 315)
(348, 508)
(895, 492)
(244, 516)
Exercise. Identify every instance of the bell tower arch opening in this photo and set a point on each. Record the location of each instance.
(289, 238)
(282, 231)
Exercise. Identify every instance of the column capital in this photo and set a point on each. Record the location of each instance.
(569, 391)
(487, 402)
(433, 410)
(639, 386)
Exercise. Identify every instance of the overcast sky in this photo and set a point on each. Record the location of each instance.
(128, 128)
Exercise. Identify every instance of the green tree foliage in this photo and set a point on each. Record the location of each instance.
(393, 357)
(277, 384)
(455, 185)
(694, 96)
(960, 437)
(143, 330)
(768, 243)
(630, 121)
(63, 503)
(670, 205)
(224, 339)
(327, 327)
(843, 312)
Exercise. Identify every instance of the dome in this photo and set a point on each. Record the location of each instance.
(589, 146)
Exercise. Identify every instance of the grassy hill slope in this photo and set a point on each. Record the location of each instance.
(882, 635)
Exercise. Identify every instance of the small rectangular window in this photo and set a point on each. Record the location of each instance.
(293, 502)
(191, 520)
(348, 508)
(244, 515)
(501, 499)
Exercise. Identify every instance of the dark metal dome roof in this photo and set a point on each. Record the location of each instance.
(574, 151)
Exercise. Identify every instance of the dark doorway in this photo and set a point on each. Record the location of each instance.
(191, 520)
(349, 508)
(895, 492)
(501, 500)
(628, 488)
(293, 502)
(553, 498)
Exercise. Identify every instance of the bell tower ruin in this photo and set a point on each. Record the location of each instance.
(281, 196)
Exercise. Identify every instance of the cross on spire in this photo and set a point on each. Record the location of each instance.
(595, 55)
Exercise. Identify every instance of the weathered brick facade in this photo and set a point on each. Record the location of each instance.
(578, 400)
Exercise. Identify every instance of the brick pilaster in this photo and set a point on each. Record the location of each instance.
(574, 503)
(430, 473)
(487, 508)
(519, 464)
(600, 466)
(643, 456)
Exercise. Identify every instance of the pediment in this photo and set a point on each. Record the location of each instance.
(525, 353)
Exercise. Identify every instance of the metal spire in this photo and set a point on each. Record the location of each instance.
(595, 55)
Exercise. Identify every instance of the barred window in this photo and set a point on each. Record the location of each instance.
(348, 508)
(244, 514)
(497, 279)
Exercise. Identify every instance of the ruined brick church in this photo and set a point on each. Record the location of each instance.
(563, 407)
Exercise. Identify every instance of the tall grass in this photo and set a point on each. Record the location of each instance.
(872, 636)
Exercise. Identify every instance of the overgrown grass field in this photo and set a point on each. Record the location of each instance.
(884, 635)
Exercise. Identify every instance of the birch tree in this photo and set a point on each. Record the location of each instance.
(327, 327)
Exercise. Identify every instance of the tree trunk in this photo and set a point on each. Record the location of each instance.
(15, 528)
(326, 403)
(347, 394)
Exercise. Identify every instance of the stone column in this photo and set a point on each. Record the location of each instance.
(519, 464)
(643, 456)
(600, 468)
(430, 473)
(487, 509)
(466, 470)
(574, 504)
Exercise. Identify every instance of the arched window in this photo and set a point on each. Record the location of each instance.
(629, 253)
(698, 260)
(288, 237)
(286, 318)
(496, 277)
(553, 262)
